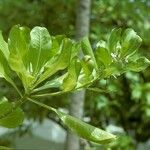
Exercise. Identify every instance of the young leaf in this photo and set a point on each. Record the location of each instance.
(4, 46)
(87, 50)
(55, 83)
(18, 44)
(4, 67)
(138, 65)
(40, 47)
(75, 49)
(130, 42)
(70, 81)
(115, 69)
(5, 71)
(56, 42)
(59, 62)
(103, 55)
(113, 40)
(4, 54)
(10, 117)
(86, 75)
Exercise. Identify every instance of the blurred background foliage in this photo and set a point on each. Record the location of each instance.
(125, 102)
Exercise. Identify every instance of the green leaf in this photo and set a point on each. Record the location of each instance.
(10, 117)
(130, 42)
(81, 128)
(4, 67)
(5, 106)
(138, 65)
(59, 39)
(5, 71)
(87, 50)
(75, 49)
(56, 42)
(13, 120)
(86, 75)
(40, 47)
(55, 83)
(70, 81)
(103, 55)
(4, 46)
(113, 40)
(59, 62)
(85, 130)
(18, 44)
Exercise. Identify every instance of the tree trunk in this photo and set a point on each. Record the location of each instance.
(76, 107)
(83, 18)
(76, 110)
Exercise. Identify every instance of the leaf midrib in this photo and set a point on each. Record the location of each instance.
(39, 54)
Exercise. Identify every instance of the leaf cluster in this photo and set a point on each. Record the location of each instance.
(44, 62)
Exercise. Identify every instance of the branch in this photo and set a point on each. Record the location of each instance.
(56, 120)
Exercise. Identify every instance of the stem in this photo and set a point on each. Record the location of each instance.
(63, 92)
(42, 105)
(60, 92)
(17, 90)
(15, 87)
(50, 94)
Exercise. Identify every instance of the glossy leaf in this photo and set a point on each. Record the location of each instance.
(103, 55)
(81, 128)
(71, 79)
(59, 62)
(87, 50)
(130, 42)
(85, 130)
(40, 47)
(10, 117)
(4, 67)
(4, 46)
(56, 42)
(86, 72)
(138, 65)
(55, 83)
(18, 44)
(5, 70)
(113, 40)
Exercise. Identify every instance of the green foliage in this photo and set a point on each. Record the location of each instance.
(10, 116)
(128, 92)
(60, 61)
(105, 104)
(18, 44)
(120, 53)
(39, 48)
(70, 81)
(81, 128)
(85, 130)
(38, 59)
